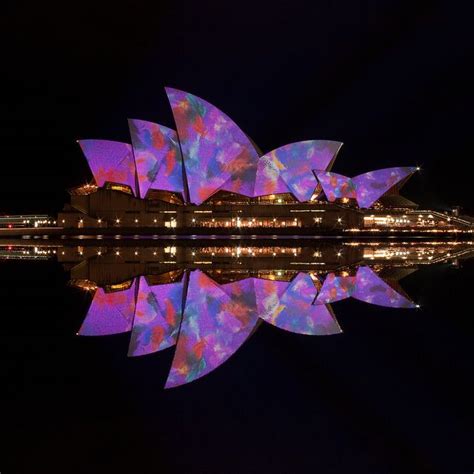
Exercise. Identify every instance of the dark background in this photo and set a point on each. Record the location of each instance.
(391, 80)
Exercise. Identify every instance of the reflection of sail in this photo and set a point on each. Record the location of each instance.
(268, 293)
(210, 333)
(109, 313)
(372, 289)
(157, 317)
(336, 288)
(208, 319)
(243, 303)
(296, 313)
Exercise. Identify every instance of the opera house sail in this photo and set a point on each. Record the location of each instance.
(203, 302)
(208, 176)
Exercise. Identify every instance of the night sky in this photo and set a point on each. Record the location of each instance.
(390, 79)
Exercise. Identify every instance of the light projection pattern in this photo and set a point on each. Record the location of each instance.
(218, 319)
(336, 288)
(219, 156)
(366, 188)
(215, 151)
(371, 289)
(157, 317)
(157, 156)
(289, 168)
(374, 184)
(297, 313)
(336, 186)
(109, 313)
(110, 161)
(268, 294)
(211, 331)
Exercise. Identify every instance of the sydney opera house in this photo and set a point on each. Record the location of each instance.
(208, 175)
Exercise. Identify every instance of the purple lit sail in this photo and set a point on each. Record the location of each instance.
(335, 186)
(296, 312)
(293, 163)
(243, 299)
(374, 184)
(110, 161)
(158, 157)
(109, 313)
(268, 293)
(372, 289)
(211, 331)
(215, 151)
(157, 318)
(269, 180)
(336, 288)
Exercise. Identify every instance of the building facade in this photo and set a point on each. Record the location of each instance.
(208, 175)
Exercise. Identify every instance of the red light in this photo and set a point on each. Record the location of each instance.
(10, 226)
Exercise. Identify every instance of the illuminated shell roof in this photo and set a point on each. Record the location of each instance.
(110, 161)
(211, 321)
(365, 188)
(209, 153)
(157, 155)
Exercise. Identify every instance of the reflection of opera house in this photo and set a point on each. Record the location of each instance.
(209, 174)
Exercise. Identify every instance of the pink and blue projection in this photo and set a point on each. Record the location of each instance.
(295, 311)
(336, 186)
(374, 184)
(213, 328)
(109, 313)
(217, 154)
(210, 153)
(110, 161)
(157, 317)
(366, 188)
(158, 157)
(289, 168)
(336, 288)
(371, 289)
(218, 319)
